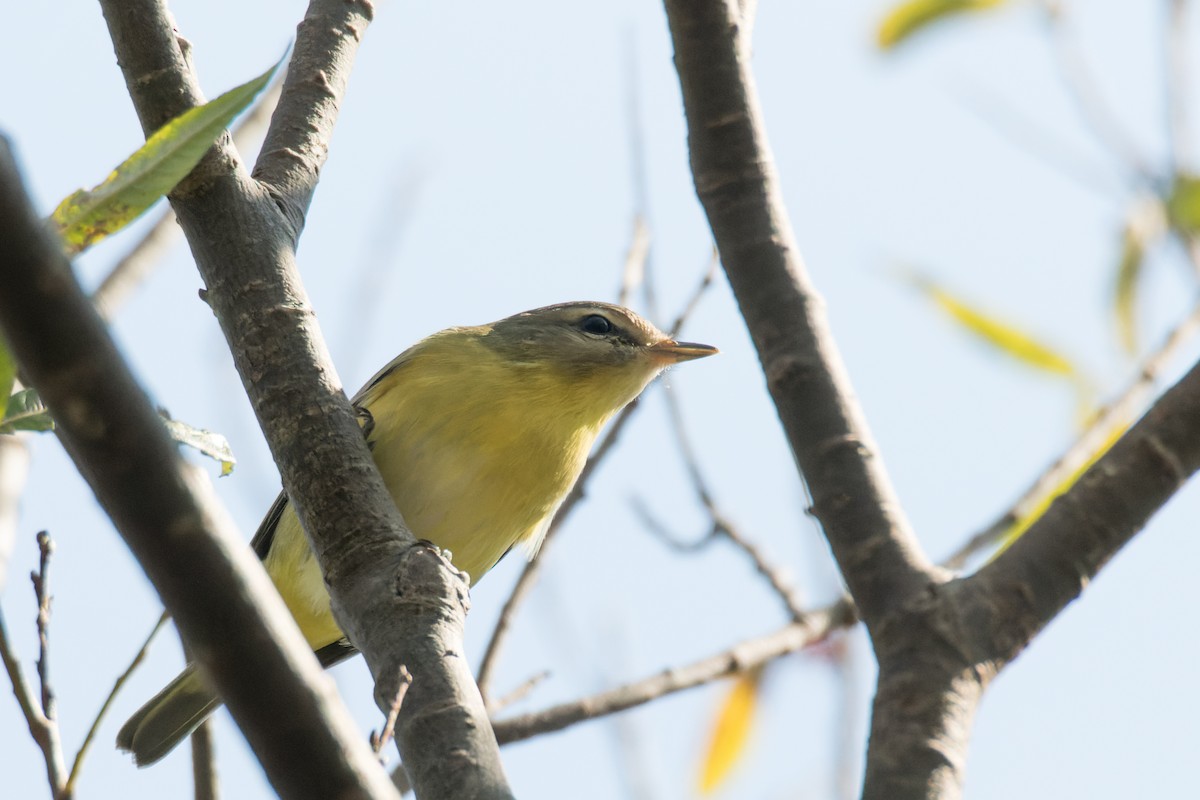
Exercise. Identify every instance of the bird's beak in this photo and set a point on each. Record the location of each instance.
(669, 351)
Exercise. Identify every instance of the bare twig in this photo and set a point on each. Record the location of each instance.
(1030, 136)
(746, 655)
(42, 728)
(77, 765)
(721, 527)
(530, 573)
(633, 274)
(41, 588)
(378, 742)
(204, 763)
(519, 693)
(1089, 102)
(706, 282)
(1109, 419)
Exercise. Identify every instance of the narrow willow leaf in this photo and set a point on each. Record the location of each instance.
(1147, 221)
(1006, 338)
(86, 217)
(8, 371)
(1183, 204)
(1129, 269)
(25, 412)
(213, 445)
(913, 16)
(1023, 524)
(731, 731)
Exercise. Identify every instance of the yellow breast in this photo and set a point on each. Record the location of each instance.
(477, 457)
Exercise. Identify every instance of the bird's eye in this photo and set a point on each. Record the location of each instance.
(594, 323)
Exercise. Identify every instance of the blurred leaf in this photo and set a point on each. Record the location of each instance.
(1183, 204)
(213, 445)
(731, 731)
(1129, 269)
(999, 334)
(25, 412)
(1023, 524)
(8, 371)
(1146, 222)
(913, 16)
(86, 217)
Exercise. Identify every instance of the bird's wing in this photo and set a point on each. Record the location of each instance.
(261, 543)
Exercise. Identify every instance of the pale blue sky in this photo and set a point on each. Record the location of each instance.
(504, 132)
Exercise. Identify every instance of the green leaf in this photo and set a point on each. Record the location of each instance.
(213, 445)
(86, 217)
(1001, 335)
(8, 371)
(25, 412)
(1145, 223)
(1183, 204)
(1129, 269)
(913, 16)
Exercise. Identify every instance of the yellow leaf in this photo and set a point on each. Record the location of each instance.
(731, 731)
(1023, 524)
(1183, 204)
(912, 16)
(1004, 337)
(85, 217)
(1146, 222)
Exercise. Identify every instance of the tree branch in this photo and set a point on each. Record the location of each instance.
(399, 603)
(242, 635)
(1031, 582)
(735, 179)
(746, 655)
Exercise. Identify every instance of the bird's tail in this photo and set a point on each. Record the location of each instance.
(168, 718)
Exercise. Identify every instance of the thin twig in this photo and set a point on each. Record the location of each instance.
(520, 692)
(41, 588)
(633, 274)
(1089, 102)
(530, 573)
(389, 726)
(706, 281)
(1178, 85)
(40, 713)
(748, 654)
(1031, 137)
(721, 524)
(43, 729)
(1117, 413)
(108, 701)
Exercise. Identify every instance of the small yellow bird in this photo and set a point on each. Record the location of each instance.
(479, 433)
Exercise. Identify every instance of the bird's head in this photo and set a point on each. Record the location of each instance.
(589, 338)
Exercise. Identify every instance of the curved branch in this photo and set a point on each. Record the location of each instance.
(735, 179)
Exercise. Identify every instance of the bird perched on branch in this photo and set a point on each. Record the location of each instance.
(479, 433)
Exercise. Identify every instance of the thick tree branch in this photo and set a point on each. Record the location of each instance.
(399, 603)
(1031, 582)
(242, 635)
(736, 182)
(752, 653)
